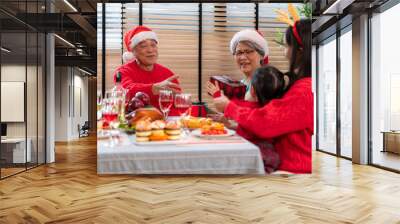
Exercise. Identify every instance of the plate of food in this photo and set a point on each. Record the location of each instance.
(193, 123)
(214, 130)
(158, 132)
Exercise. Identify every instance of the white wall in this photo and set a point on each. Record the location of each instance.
(13, 73)
(71, 94)
(61, 103)
(33, 126)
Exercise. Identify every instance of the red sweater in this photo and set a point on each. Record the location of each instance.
(288, 120)
(134, 79)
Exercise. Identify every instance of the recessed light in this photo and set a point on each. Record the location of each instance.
(5, 50)
(70, 5)
(64, 40)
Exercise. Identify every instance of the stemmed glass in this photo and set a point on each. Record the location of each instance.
(99, 104)
(166, 100)
(183, 103)
(112, 106)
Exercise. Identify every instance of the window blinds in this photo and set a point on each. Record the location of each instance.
(177, 27)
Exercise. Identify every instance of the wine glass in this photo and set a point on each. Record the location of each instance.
(99, 105)
(110, 116)
(165, 99)
(116, 101)
(110, 111)
(183, 103)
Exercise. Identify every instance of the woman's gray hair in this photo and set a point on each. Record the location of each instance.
(254, 46)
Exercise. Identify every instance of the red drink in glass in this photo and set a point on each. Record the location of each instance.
(110, 116)
(165, 105)
(182, 108)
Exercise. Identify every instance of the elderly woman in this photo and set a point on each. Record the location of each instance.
(250, 51)
(141, 73)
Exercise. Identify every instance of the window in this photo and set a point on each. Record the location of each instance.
(177, 27)
(385, 89)
(22, 60)
(346, 92)
(327, 96)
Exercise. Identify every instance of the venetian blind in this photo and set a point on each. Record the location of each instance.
(220, 22)
(177, 27)
(269, 27)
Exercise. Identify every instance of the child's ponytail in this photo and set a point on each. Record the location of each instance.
(298, 37)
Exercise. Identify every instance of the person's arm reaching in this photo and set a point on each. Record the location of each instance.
(170, 83)
(278, 117)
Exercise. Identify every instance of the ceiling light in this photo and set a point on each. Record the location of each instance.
(5, 50)
(65, 41)
(70, 5)
(86, 72)
(338, 6)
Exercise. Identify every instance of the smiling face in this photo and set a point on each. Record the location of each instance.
(146, 52)
(247, 58)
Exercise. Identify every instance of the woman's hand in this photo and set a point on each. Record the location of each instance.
(166, 85)
(211, 88)
(231, 124)
(221, 102)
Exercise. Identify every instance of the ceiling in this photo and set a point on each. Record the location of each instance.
(73, 20)
(329, 14)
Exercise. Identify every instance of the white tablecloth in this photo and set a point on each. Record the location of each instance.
(232, 155)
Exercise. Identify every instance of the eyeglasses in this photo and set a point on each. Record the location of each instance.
(245, 52)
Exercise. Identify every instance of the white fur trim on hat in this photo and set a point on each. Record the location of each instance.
(252, 36)
(128, 56)
(144, 35)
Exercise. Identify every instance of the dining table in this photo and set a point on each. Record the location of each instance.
(119, 153)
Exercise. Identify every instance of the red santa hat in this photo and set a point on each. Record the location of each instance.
(253, 36)
(134, 37)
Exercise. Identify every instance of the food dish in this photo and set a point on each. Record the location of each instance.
(198, 133)
(143, 129)
(158, 130)
(195, 122)
(145, 113)
(142, 139)
(173, 129)
(215, 129)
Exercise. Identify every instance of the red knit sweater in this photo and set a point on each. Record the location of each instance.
(134, 79)
(288, 120)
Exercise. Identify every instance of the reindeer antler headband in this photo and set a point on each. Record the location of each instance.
(291, 20)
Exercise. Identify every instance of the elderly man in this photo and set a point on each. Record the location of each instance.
(141, 73)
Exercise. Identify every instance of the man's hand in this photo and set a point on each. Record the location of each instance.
(166, 85)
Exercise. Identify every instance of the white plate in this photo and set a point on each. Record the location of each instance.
(166, 142)
(197, 133)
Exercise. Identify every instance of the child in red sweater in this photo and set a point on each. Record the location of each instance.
(267, 83)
